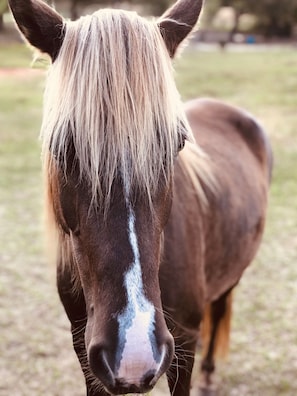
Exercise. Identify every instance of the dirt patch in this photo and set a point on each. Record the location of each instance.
(20, 73)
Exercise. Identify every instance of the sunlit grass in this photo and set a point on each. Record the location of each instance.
(251, 79)
(15, 55)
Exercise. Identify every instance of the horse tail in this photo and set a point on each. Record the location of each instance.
(216, 326)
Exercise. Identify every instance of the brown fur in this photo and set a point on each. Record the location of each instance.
(40, 25)
(178, 21)
(222, 341)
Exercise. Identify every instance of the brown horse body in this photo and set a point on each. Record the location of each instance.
(151, 238)
(240, 160)
(207, 248)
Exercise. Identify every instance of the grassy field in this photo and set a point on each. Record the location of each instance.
(36, 355)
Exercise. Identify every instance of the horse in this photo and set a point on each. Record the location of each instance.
(157, 208)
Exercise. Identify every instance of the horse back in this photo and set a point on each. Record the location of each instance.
(213, 120)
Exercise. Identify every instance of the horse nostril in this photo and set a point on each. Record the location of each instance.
(100, 366)
(91, 310)
(148, 379)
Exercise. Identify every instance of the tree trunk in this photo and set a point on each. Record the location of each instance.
(74, 10)
(236, 25)
(159, 7)
(1, 23)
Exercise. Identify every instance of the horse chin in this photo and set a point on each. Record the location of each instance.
(122, 388)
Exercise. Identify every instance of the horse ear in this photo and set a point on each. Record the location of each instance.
(42, 26)
(178, 21)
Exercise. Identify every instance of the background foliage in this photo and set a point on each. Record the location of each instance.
(273, 18)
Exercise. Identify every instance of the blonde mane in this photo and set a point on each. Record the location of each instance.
(111, 94)
(198, 168)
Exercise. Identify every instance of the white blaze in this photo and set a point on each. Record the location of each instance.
(136, 323)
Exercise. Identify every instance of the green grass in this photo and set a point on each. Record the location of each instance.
(35, 349)
(15, 55)
(249, 78)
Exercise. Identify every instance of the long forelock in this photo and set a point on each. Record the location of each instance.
(111, 93)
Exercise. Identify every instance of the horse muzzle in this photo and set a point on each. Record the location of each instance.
(138, 373)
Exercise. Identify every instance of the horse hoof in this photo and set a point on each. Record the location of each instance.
(207, 384)
(207, 392)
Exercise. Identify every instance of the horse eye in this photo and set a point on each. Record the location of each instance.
(68, 202)
(182, 142)
(76, 232)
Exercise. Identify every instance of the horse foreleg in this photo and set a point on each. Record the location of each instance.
(73, 301)
(180, 371)
(215, 338)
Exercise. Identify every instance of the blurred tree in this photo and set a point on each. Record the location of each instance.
(274, 17)
(239, 7)
(74, 5)
(211, 7)
(156, 7)
(3, 9)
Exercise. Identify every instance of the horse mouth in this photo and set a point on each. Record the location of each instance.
(121, 387)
